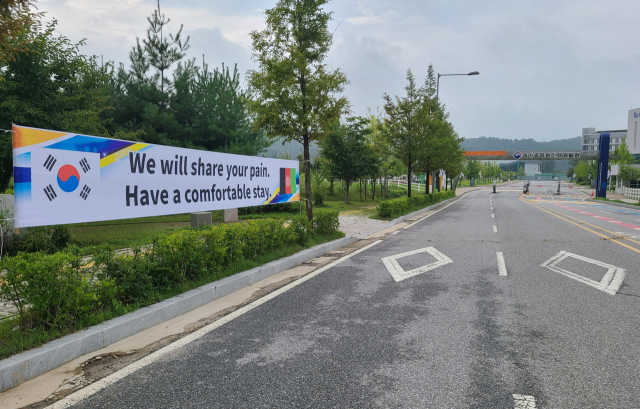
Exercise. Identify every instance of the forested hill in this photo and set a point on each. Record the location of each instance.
(484, 143)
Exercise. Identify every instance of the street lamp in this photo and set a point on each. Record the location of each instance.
(449, 75)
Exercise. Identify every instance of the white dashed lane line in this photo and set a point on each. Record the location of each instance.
(502, 267)
(495, 229)
(493, 216)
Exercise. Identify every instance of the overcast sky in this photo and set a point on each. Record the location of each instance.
(547, 68)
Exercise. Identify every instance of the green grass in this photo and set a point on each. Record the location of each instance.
(138, 232)
(13, 341)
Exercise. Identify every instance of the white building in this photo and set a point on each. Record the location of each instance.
(633, 142)
(591, 137)
(532, 168)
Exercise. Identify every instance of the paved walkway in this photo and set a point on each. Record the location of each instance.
(362, 226)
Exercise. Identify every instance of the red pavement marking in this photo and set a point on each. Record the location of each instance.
(606, 219)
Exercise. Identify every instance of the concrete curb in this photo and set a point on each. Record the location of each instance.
(29, 364)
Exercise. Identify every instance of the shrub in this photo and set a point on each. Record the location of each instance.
(326, 221)
(388, 208)
(131, 275)
(47, 239)
(301, 229)
(178, 257)
(385, 209)
(52, 285)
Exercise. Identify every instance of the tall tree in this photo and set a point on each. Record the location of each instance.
(192, 107)
(296, 96)
(163, 52)
(403, 124)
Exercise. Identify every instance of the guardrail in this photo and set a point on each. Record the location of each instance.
(414, 185)
(629, 193)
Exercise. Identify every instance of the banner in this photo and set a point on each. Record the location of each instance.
(62, 178)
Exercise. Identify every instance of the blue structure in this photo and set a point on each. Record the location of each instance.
(603, 165)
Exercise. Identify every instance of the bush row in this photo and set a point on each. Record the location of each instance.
(388, 208)
(59, 290)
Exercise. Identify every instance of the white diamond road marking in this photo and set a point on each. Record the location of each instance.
(610, 283)
(398, 273)
(524, 401)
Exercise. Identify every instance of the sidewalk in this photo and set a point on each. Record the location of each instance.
(610, 195)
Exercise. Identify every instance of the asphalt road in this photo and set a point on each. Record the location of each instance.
(455, 334)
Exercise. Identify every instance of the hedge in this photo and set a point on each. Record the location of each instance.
(388, 208)
(60, 290)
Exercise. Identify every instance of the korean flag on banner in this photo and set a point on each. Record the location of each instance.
(64, 180)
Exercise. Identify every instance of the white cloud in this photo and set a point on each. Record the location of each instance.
(547, 68)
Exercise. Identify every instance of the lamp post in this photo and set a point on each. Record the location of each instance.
(449, 75)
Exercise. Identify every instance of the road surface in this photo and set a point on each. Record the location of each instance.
(496, 301)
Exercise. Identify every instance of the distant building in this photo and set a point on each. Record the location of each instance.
(591, 137)
(633, 141)
(531, 167)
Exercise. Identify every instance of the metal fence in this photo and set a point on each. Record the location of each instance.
(631, 193)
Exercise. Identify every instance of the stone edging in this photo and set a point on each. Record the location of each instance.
(29, 364)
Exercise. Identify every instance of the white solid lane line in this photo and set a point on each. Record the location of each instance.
(149, 359)
(495, 229)
(502, 267)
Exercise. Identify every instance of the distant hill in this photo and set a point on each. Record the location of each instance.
(484, 143)
(290, 149)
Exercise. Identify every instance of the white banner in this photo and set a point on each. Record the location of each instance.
(62, 178)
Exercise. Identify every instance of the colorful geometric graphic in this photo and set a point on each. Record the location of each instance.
(68, 178)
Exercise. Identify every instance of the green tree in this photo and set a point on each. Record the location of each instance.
(404, 124)
(192, 107)
(162, 52)
(581, 171)
(625, 156)
(628, 173)
(52, 86)
(16, 20)
(296, 96)
(346, 151)
(472, 169)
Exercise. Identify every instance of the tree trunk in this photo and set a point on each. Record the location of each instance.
(373, 189)
(365, 190)
(347, 201)
(360, 184)
(307, 178)
(331, 186)
(409, 174)
(433, 182)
